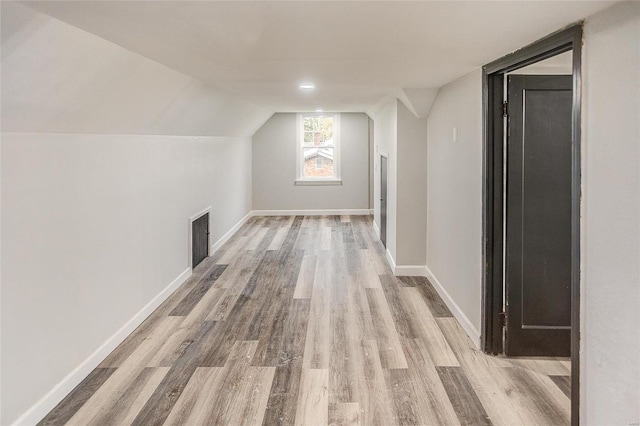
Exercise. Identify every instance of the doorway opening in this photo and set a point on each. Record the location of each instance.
(531, 204)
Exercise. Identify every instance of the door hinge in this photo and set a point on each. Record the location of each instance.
(505, 109)
(502, 318)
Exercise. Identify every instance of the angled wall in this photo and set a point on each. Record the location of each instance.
(104, 157)
(60, 79)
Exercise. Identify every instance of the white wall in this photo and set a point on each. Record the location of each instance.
(610, 364)
(93, 227)
(274, 167)
(402, 136)
(454, 191)
(372, 157)
(412, 190)
(95, 198)
(385, 123)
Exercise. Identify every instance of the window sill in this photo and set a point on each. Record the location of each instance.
(317, 182)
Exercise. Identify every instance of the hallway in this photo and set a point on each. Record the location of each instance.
(299, 320)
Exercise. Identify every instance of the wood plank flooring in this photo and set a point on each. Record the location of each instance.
(300, 321)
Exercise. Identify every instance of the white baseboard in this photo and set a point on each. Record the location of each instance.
(390, 260)
(376, 229)
(471, 330)
(41, 408)
(330, 212)
(410, 270)
(230, 233)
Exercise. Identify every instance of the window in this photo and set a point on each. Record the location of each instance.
(318, 149)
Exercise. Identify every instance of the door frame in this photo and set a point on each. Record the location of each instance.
(567, 39)
(191, 220)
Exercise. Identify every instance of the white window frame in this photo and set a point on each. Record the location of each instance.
(336, 179)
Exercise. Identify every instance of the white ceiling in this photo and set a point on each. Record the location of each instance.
(356, 52)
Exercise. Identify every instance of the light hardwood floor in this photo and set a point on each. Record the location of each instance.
(299, 320)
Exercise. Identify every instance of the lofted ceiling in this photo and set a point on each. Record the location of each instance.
(356, 52)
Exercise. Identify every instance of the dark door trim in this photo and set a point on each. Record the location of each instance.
(568, 39)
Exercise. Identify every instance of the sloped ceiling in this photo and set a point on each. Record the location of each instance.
(57, 78)
(420, 100)
(355, 52)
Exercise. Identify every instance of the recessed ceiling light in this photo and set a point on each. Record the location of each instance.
(319, 110)
(307, 86)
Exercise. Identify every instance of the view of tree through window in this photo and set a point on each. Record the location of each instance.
(318, 146)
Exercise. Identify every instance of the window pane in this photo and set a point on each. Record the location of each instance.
(308, 124)
(318, 146)
(308, 138)
(318, 138)
(319, 130)
(325, 126)
(315, 157)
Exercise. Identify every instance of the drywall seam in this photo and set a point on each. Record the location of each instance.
(41, 408)
(466, 324)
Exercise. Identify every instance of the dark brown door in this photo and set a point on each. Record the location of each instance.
(538, 216)
(383, 200)
(199, 239)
